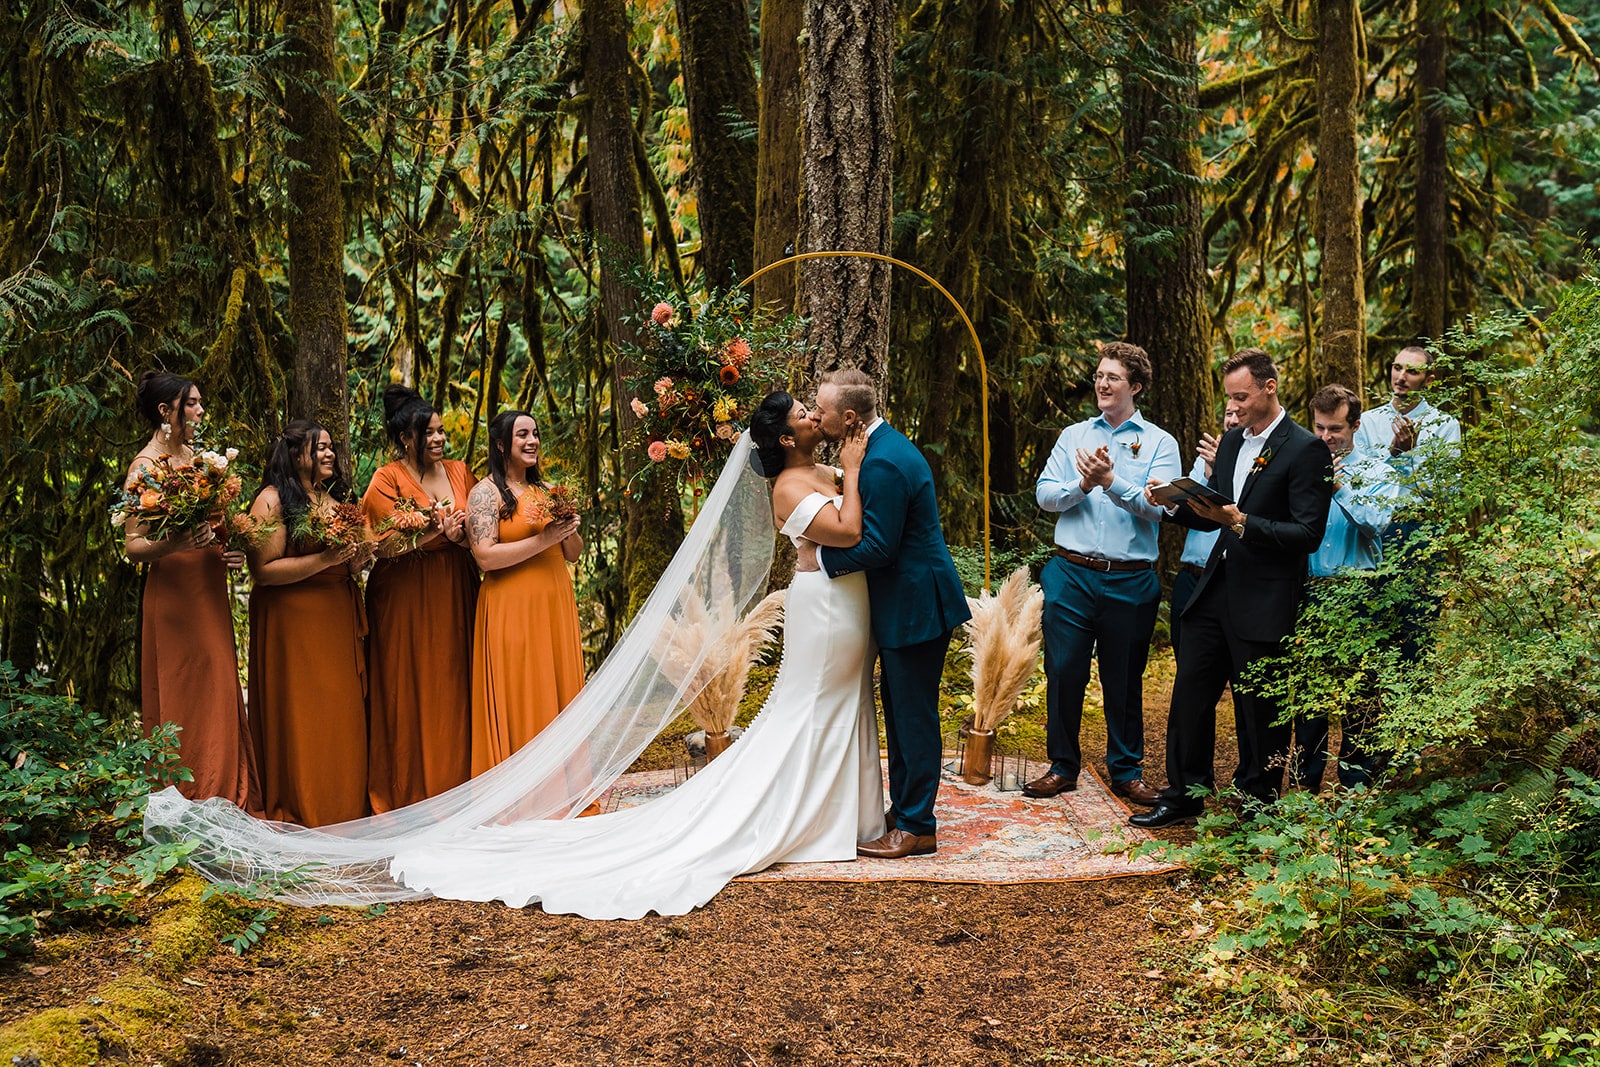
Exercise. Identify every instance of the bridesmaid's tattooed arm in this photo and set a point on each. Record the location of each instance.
(483, 515)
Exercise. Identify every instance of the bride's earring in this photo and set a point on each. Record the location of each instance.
(166, 432)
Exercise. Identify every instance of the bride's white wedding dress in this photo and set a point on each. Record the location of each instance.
(803, 784)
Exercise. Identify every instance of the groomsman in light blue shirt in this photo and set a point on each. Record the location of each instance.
(1405, 434)
(1101, 591)
(1197, 544)
(1364, 494)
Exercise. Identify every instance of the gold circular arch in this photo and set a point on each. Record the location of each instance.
(983, 365)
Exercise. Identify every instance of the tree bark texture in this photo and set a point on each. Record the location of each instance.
(778, 156)
(1342, 326)
(1166, 264)
(317, 311)
(846, 187)
(1430, 263)
(654, 520)
(719, 80)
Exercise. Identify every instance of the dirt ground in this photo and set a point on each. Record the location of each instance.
(768, 973)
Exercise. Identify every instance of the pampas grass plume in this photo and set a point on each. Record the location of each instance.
(1005, 632)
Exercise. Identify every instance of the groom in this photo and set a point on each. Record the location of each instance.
(916, 599)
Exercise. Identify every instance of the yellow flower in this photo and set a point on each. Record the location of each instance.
(678, 449)
(722, 410)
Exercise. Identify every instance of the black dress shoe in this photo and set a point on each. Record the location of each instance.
(1163, 814)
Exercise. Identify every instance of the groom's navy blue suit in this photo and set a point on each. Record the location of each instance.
(917, 600)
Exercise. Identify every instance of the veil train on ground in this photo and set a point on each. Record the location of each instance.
(644, 684)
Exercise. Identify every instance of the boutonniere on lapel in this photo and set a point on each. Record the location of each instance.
(1134, 445)
(1261, 461)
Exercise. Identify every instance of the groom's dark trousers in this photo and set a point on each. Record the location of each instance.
(917, 601)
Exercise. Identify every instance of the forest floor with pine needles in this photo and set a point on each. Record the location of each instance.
(766, 974)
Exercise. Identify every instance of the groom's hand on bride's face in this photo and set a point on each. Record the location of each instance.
(806, 557)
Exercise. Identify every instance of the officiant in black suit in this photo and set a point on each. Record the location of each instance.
(1245, 602)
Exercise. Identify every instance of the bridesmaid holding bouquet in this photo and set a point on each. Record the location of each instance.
(527, 649)
(188, 662)
(308, 710)
(421, 596)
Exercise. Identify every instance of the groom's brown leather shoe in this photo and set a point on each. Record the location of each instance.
(897, 844)
(1050, 785)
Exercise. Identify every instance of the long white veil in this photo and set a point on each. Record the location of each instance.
(646, 681)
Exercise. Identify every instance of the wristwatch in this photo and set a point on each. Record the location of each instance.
(1238, 528)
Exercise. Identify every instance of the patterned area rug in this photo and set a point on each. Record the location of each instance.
(985, 836)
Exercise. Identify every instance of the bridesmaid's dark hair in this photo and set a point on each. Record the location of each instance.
(282, 471)
(406, 412)
(769, 422)
(157, 388)
(499, 444)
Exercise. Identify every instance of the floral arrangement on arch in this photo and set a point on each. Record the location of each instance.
(703, 367)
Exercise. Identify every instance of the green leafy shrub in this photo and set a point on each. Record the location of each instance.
(72, 793)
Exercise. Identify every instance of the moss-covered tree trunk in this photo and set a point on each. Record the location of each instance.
(719, 80)
(317, 312)
(848, 142)
(1430, 268)
(778, 151)
(655, 519)
(1166, 266)
(1342, 325)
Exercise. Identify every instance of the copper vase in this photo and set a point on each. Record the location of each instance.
(716, 744)
(976, 757)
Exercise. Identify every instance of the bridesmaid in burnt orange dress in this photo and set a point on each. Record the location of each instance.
(308, 709)
(420, 602)
(527, 652)
(188, 663)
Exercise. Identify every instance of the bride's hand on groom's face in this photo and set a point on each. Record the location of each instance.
(853, 448)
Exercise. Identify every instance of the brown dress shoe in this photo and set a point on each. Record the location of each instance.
(1050, 785)
(897, 844)
(1135, 790)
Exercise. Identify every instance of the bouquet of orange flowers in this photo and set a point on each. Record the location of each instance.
(240, 531)
(333, 524)
(169, 499)
(410, 522)
(563, 503)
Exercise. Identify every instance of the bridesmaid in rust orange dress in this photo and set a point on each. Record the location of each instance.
(527, 652)
(308, 710)
(420, 602)
(188, 663)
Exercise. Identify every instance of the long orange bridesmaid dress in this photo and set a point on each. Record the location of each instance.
(308, 707)
(189, 674)
(527, 649)
(420, 607)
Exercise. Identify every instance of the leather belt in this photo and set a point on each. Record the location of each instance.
(1104, 565)
(1193, 568)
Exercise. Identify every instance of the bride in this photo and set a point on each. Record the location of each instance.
(802, 785)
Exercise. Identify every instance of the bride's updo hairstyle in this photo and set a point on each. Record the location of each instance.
(769, 422)
(406, 414)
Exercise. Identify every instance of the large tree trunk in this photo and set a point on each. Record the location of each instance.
(849, 135)
(1342, 326)
(1166, 275)
(719, 80)
(655, 521)
(1430, 272)
(778, 163)
(317, 312)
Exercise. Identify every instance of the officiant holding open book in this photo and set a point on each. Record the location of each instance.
(1246, 600)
